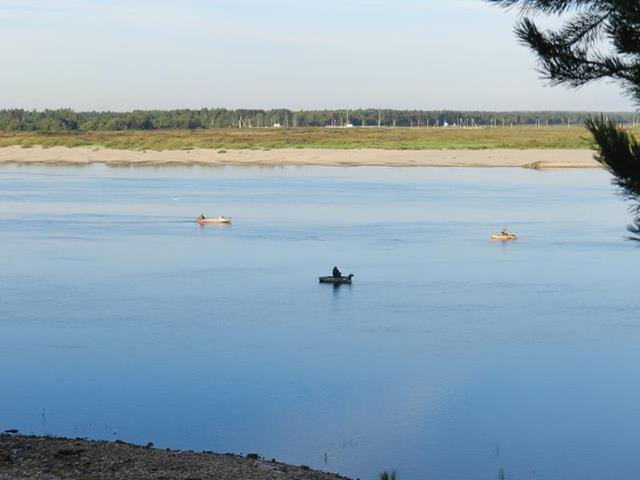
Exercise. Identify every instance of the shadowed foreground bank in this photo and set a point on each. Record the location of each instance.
(49, 458)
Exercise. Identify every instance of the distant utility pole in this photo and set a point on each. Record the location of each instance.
(379, 117)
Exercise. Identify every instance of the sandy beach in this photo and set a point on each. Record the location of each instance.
(327, 157)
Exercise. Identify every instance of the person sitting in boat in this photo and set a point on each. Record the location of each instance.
(504, 232)
(201, 217)
(336, 272)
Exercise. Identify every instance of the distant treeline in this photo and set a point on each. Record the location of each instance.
(66, 120)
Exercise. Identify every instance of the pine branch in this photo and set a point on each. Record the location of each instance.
(624, 28)
(547, 7)
(619, 153)
(635, 229)
(601, 41)
(565, 56)
(584, 29)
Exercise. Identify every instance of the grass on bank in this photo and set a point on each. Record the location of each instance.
(386, 475)
(518, 138)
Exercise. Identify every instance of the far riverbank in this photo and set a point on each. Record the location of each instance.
(533, 158)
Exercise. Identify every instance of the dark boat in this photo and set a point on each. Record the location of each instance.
(337, 280)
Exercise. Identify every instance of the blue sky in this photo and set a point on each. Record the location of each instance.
(121, 55)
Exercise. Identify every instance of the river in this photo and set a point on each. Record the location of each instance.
(451, 356)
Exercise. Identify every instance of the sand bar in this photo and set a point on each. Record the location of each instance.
(327, 157)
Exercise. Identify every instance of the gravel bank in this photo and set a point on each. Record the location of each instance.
(50, 458)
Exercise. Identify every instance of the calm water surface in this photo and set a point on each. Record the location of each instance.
(450, 357)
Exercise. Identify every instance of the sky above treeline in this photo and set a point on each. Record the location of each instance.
(298, 54)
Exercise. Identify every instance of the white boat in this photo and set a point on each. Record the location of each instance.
(212, 220)
(503, 237)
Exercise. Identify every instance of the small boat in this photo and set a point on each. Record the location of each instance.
(337, 280)
(213, 220)
(504, 238)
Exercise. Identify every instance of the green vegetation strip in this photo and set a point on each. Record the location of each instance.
(519, 138)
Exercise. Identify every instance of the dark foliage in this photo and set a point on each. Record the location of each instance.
(619, 153)
(601, 40)
(66, 120)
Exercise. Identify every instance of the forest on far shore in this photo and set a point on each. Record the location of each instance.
(67, 120)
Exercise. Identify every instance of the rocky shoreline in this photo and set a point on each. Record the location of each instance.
(25, 457)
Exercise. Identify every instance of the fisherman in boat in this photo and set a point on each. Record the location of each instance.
(201, 217)
(504, 232)
(336, 272)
